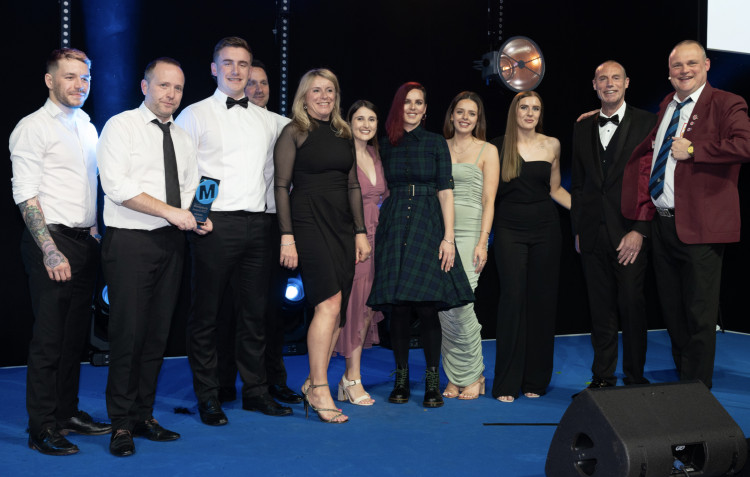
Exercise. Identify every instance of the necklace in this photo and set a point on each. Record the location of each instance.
(455, 149)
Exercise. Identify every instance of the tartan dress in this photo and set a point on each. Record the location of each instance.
(408, 236)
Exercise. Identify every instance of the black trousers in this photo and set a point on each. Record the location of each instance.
(274, 356)
(236, 250)
(688, 279)
(62, 319)
(143, 270)
(528, 265)
(616, 291)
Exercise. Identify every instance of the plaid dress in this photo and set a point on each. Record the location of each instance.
(408, 236)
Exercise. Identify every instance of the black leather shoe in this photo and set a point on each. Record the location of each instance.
(121, 444)
(265, 404)
(432, 396)
(51, 442)
(281, 392)
(152, 430)
(82, 423)
(211, 413)
(400, 393)
(596, 383)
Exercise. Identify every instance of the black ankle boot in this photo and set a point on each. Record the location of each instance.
(432, 397)
(400, 393)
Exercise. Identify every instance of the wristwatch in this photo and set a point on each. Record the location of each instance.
(691, 150)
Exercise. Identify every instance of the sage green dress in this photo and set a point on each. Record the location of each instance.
(462, 341)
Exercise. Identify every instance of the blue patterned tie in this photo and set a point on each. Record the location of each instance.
(656, 183)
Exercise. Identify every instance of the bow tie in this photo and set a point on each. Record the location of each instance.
(603, 121)
(241, 102)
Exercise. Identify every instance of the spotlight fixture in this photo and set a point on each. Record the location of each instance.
(282, 37)
(519, 64)
(65, 24)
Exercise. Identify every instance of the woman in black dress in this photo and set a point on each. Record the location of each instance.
(417, 269)
(527, 251)
(321, 221)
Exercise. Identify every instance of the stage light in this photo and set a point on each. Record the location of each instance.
(295, 292)
(105, 295)
(65, 24)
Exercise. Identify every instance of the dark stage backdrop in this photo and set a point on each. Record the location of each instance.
(373, 48)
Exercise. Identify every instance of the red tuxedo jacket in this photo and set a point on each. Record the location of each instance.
(707, 208)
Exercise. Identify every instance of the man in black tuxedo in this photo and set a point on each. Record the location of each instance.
(611, 246)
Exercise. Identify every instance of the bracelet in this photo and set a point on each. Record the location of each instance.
(452, 243)
(287, 244)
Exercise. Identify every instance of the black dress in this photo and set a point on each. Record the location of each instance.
(323, 210)
(527, 256)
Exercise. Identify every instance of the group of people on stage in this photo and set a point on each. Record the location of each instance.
(399, 225)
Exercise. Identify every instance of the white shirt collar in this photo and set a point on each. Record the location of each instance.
(620, 112)
(149, 116)
(54, 110)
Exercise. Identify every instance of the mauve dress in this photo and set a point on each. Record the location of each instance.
(364, 272)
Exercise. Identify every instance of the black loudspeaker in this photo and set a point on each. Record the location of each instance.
(642, 431)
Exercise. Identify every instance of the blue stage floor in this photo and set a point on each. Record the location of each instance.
(386, 439)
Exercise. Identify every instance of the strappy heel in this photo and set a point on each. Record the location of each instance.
(318, 410)
(480, 382)
(344, 393)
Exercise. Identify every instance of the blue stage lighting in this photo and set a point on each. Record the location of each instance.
(105, 295)
(295, 292)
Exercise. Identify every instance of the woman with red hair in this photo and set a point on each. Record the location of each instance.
(417, 269)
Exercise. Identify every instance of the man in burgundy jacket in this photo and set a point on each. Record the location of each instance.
(684, 177)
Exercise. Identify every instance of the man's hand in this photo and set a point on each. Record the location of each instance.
(56, 264)
(204, 228)
(181, 218)
(586, 115)
(629, 247)
(679, 148)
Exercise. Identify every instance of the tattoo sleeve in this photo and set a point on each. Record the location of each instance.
(32, 214)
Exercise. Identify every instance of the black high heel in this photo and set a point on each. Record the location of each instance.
(318, 410)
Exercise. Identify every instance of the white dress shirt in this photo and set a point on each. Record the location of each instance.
(233, 146)
(608, 130)
(666, 199)
(54, 159)
(268, 169)
(131, 162)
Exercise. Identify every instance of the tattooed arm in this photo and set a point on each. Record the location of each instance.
(55, 262)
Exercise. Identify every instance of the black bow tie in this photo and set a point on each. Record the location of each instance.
(603, 121)
(241, 102)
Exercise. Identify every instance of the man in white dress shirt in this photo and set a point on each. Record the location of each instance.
(149, 174)
(53, 152)
(234, 139)
(257, 91)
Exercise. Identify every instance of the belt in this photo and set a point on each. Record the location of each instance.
(77, 233)
(665, 212)
(411, 190)
(235, 213)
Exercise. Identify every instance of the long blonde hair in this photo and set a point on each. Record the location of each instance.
(510, 167)
(300, 117)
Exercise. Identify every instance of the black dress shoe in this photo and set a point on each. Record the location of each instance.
(400, 393)
(596, 383)
(152, 430)
(211, 413)
(82, 423)
(51, 442)
(432, 396)
(265, 404)
(281, 392)
(121, 444)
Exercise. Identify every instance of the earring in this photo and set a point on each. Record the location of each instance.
(304, 106)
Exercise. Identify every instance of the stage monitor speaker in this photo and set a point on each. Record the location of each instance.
(641, 431)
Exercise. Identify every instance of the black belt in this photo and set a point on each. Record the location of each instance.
(411, 190)
(665, 212)
(235, 213)
(77, 233)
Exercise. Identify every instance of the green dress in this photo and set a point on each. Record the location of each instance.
(462, 341)
(410, 229)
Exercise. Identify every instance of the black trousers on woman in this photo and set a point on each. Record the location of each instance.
(429, 329)
(527, 256)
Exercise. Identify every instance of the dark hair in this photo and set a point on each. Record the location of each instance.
(394, 124)
(66, 54)
(259, 64)
(231, 41)
(480, 129)
(363, 103)
(149, 71)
